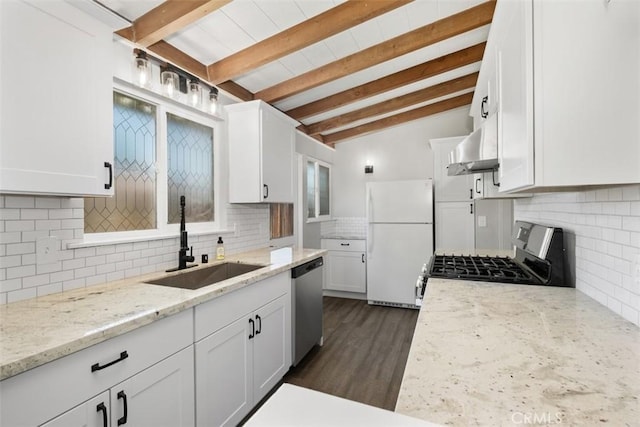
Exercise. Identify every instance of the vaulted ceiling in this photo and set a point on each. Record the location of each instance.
(341, 68)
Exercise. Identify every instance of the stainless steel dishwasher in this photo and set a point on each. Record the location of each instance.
(307, 307)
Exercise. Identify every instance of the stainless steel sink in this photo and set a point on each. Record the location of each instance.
(196, 279)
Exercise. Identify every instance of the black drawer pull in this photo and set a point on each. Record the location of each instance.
(123, 396)
(253, 329)
(259, 319)
(103, 408)
(97, 366)
(363, 258)
(345, 244)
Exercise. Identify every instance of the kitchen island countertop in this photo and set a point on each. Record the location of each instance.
(503, 354)
(39, 330)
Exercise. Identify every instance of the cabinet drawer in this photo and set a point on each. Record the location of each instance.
(344, 245)
(35, 396)
(222, 311)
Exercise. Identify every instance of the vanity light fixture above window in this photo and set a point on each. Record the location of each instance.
(173, 82)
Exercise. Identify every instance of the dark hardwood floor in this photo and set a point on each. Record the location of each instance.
(364, 353)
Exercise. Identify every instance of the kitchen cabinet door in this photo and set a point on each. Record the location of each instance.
(261, 146)
(515, 92)
(455, 226)
(92, 413)
(271, 346)
(55, 100)
(224, 393)
(162, 395)
(346, 271)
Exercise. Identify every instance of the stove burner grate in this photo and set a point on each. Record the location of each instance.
(492, 269)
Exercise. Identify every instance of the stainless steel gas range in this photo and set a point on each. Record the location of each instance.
(539, 260)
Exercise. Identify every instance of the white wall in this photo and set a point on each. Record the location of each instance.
(400, 152)
(603, 242)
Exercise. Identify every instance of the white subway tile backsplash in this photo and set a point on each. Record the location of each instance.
(21, 294)
(25, 219)
(48, 202)
(53, 288)
(606, 226)
(19, 201)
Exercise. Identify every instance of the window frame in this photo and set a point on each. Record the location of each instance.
(163, 229)
(318, 218)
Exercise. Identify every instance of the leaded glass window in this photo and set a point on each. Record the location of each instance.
(190, 169)
(133, 206)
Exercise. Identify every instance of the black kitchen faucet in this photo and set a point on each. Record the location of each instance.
(183, 258)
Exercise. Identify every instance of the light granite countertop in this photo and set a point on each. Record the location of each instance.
(501, 354)
(39, 330)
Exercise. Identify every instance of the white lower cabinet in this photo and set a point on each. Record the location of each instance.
(346, 265)
(152, 366)
(161, 395)
(239, 363)
(156, 375)
(455, 226)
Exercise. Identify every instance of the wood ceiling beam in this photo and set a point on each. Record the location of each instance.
(168, 18)
(393, 81)
(418, 113)
(442, 29)
(404, 101)
(313, 30)
(197, 68)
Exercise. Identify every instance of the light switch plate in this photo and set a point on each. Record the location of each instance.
(482, 221)
(47, 250)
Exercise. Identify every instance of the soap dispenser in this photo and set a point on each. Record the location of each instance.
(220, 249)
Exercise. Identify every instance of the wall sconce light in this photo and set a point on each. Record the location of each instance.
(142, 69)
(213, 101)
(368, 169)
(195, 94)
(170, 83)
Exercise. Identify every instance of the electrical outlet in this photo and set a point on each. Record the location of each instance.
(47, 250)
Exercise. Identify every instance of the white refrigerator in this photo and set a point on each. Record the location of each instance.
(399, 239)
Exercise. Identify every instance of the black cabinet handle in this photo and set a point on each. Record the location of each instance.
(265, 191)
(363, 258)
(478, 181)
(103, 408)
(98, 367)
(345, 244)
(123, 396)
(484, 113)
(259, 319)
(471, 193)
(253, 329)
(110, 184)
(471, 208)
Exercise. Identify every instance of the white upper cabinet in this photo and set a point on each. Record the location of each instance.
(55, 100)
(568, 90)
(261, 146)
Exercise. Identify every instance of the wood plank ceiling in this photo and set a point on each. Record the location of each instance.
(341, 68)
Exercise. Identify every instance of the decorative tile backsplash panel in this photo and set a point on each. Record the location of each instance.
(605, 225)
(25, 219)
(352, 226)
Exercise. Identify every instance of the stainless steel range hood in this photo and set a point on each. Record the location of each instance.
(478, 152)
